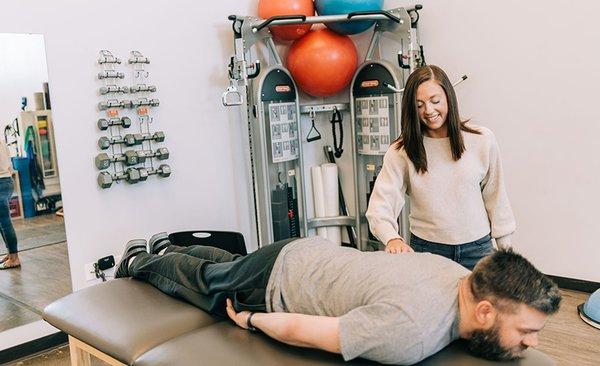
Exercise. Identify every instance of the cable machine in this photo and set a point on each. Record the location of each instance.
(270, 103)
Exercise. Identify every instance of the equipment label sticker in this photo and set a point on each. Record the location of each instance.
(372, 125)
(283, 124)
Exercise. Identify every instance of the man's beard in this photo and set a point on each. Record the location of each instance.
(486, 344)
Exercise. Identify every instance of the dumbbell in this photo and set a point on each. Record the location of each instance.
(157, 136)
(104, 124)
(163, 171)
(130, 157)
(113, 89)
(114, 103)
(127, 140)
(138, 59)
(142, 88)
(108, 58)
(131, 175)
(161, 153)
(144, 102)
(110, 74)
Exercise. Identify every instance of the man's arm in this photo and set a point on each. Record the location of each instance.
(302, 330)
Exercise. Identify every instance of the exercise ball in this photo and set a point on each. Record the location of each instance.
(322, 62)
(269, 8)
(335, 7)
(590, 310)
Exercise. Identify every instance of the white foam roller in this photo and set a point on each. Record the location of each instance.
(329, 172)
(318, 197)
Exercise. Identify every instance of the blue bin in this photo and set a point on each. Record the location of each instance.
(22, 166)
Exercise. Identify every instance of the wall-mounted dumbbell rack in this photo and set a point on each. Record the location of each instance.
(128, 155)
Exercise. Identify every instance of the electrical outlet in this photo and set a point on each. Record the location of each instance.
(89, 272)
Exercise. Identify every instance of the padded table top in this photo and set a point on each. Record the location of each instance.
(139, 325)
(124, 318)
(226, 344)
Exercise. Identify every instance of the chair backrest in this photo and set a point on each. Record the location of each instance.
(230, 241)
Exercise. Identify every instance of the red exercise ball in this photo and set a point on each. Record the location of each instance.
(322, 62)
(269, 8)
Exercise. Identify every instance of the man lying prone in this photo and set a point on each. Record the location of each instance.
(396, 309)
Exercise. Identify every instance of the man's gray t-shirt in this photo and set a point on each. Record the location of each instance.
(396, 309)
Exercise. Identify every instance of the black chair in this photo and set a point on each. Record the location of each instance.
(231, 241)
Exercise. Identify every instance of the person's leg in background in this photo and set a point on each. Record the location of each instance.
(11, 260)
(205, 283)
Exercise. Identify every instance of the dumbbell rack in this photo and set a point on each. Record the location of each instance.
(126, 153)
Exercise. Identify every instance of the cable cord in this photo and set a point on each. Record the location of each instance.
(336, 118)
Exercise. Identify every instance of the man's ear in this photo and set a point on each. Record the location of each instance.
(485, 314)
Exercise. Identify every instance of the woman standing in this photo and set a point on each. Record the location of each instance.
(452, 172)
(11, 260)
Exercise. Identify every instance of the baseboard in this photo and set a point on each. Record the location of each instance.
(575, 284)
(32, 347)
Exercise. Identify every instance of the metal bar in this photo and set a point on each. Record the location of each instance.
(273, 51)
(325, 19)
(331, 221)
(318, 108)
(373, 45)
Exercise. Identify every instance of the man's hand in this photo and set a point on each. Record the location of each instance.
(241, 318)
(398, 245)
(302, 330)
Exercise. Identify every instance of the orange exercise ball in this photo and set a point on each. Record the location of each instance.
(322, 62)
(269, 8)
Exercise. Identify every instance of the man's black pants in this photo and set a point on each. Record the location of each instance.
(206, 276)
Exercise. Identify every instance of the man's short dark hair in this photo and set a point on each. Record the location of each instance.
(506, 275)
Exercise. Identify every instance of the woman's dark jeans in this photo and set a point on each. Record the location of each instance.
(467, 254)
(205, 276)
(6, 227)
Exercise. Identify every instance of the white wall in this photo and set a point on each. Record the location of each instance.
(533, 79)
(23, 71)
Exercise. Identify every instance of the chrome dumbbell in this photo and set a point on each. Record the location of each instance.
(131, 175)
(127, 140)
(114, 103)
(138, 58)
(142, 88)
(144, 102)
(110, 74)
(163, 171)
(106, 57)
(113, 89)
(104, 124)
(130, 157)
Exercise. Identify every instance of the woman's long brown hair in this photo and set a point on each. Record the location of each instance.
(411, 137)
